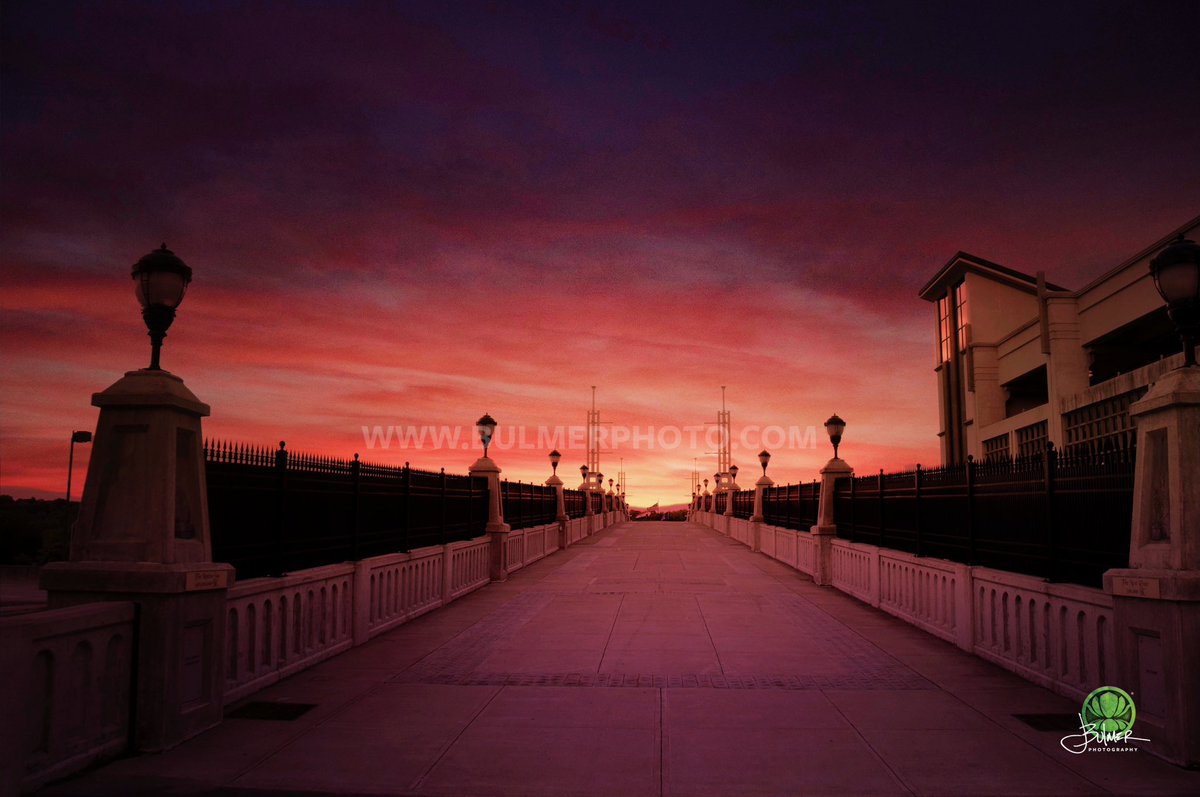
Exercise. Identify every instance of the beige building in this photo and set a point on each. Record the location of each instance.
(1021, 361)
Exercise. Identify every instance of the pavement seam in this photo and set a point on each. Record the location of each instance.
(420, 781)
(662, 742)
(870, 747)
(611, 628)
(711, 641)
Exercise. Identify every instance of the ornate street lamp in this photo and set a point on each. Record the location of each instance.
(610, 484)
(554, 458)
(161, 280)
(1176, 272)
(486, 427)
(834, 426)
(733, 469)
(764, 457)
(706, 486)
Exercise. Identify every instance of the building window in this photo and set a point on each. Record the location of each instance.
(943, 309)
(960, 294)
(1031, 439)
(996, 448)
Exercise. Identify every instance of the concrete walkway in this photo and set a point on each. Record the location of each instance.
(652, 659)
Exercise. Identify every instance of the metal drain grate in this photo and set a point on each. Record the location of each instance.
(262, 710)
(1050, 722)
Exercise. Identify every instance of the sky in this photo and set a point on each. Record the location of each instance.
(406, 215)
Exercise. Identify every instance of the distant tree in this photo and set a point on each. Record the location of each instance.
(33, 532)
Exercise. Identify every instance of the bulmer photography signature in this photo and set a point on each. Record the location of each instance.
(1078, 743)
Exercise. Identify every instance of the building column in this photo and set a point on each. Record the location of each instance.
(1156, 600)
(1066, 362)
(142, 535)
(825, 530)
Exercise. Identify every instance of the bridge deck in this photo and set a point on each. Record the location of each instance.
(653, 658)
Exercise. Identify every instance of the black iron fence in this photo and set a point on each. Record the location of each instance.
(1065, 517)
(526, 505)
(743, 504)
(792, 506)
(273, 511)
(719, 503)
(597, 502)
(575, 503)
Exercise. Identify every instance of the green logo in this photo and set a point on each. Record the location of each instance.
(1109, 710)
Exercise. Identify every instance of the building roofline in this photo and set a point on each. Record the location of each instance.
(1149, 250)
(965, 261)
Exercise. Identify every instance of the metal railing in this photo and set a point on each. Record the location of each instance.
(743, 504)
(275, 511)
(792, 506)
(526, 505)
(1065, 517)
(575, 503)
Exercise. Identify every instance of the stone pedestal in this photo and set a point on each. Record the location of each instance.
(484, 466)
(561, 515)
(825, 530)
(145, 498)
(1156, 600)
(496, 529)
(756, 519)
(181, 609)
(142, 535)
(760, 487)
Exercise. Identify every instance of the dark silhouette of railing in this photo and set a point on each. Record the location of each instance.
(274, 511)
(792, 506)
(527, 505)
(575, 503)
(719, 503)
(743, 504)
(598, 503)
(1065, 517)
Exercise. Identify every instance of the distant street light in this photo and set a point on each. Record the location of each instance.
(486, 427)
(162, 280)
(76, 437)
(1176, 272)
(554, 458)
(733, 470)
(764, 457)
(834, 426)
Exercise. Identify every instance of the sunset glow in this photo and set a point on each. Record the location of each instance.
(409, 215)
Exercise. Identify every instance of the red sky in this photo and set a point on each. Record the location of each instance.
(405, 215)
